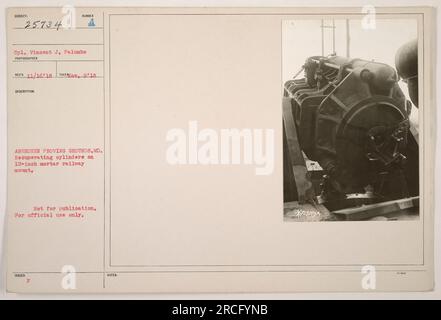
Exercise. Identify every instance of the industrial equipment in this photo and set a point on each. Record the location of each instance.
(351, 117)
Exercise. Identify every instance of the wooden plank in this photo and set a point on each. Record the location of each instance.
(305, 189)
(377, 209)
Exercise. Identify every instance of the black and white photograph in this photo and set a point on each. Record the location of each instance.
(350, 119)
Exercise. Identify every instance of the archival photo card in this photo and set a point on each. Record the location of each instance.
(220, 150)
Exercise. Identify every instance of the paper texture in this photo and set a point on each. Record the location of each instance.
(124, 175)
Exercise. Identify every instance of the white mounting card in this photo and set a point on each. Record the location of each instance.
(194, 149)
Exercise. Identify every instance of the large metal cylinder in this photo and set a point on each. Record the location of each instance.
(406, 62)
(352, 118)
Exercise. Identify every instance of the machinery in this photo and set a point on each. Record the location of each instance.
(351, 117)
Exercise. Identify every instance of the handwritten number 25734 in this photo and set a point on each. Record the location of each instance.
(42, 24)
